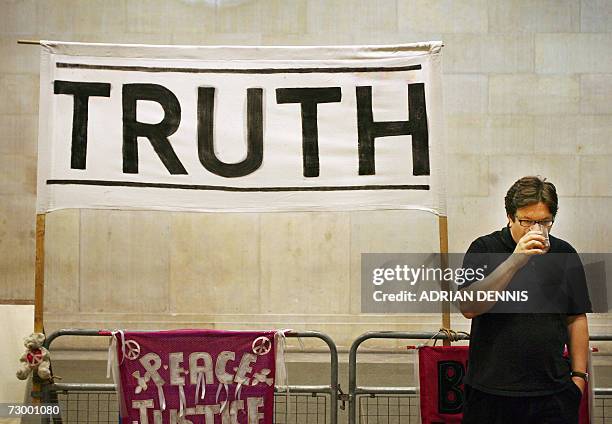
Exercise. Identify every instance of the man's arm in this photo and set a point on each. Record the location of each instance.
(532, 243)
(578, 331)
(497, 280)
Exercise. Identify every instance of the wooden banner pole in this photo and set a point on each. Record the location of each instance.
(443, 231)
(39, 273)
(39, 293)
(31, 42)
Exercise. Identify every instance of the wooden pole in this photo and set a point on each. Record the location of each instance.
(39, 274)
(443, 231)
(39, 293)
(33, 42)
(39, 277)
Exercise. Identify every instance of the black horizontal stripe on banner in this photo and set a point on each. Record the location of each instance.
(106, 183)
(240, 71)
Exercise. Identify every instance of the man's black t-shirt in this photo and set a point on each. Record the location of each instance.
(521, 354)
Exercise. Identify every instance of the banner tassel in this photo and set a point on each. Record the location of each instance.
(238, 391)
(112, 365)
(161, 397)
(226, 396)
(200, 383)
(182, 401)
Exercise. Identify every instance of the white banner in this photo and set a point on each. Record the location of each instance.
(240, 128)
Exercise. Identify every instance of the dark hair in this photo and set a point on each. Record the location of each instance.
(528, 191)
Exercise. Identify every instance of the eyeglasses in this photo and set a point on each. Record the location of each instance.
(529, 223)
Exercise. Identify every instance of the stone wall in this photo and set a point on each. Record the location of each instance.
(527, 90)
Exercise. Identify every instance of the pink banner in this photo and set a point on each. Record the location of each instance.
(196, 376)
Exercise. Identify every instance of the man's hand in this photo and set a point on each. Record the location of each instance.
(532, 243)
(578, 331)
(580, 383)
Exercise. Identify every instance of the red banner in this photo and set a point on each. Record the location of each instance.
(441, 371)
(196, 376)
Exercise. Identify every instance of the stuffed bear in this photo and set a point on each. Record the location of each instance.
(35, 359)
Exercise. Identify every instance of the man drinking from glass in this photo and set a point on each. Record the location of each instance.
(517, 372)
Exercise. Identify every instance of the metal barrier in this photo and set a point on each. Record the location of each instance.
(400, 405)
(97, 403)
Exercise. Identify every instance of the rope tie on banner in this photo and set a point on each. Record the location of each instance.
(112, 347)
(200, 383)
(281, 345)
(112, 350)
(113, 362)
(224, 403)
(452, 335)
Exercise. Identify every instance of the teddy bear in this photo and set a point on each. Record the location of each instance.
(35, 359)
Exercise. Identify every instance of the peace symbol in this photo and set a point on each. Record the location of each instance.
(261, 345)
(132, 349)
(36, 358)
